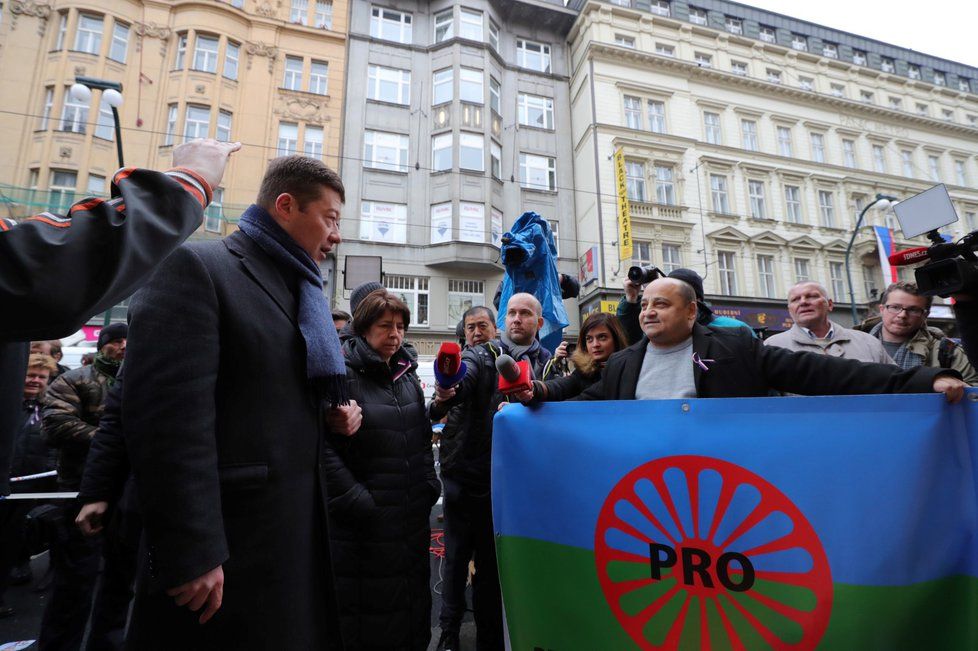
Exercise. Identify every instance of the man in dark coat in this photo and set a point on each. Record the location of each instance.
(682, 359)
(232, 369)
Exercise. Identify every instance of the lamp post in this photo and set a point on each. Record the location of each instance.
(111, 95)
(881, 201)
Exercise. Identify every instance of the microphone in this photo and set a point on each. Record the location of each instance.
(449, 367)
(910, 256)
(513, 376)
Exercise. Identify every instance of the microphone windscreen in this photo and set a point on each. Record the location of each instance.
(507, 368)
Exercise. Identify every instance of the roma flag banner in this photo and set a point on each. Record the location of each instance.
(768, 523)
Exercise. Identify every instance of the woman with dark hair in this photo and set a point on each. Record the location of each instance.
(381, 483)
(601, 336)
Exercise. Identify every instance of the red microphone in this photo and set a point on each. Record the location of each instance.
(513, 376)
(910, 256)
(449, 367)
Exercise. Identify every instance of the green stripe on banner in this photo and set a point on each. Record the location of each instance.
(554, 602)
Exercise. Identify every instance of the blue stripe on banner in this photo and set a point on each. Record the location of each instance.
(887, 482)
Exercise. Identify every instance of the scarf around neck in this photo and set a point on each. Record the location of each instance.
(325, 366)
(516, 350)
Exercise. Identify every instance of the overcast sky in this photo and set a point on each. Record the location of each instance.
(944, 28)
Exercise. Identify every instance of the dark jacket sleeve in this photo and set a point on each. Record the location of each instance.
(349, 499)
(63, 419)
(107, 465)
(628, 318)
(172, 363)
(57, 271)
(468, 384)
(966, 314)
(561, 388)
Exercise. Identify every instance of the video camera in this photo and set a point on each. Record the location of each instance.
(952, 266)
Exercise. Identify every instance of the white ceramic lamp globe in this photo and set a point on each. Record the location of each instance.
(112, 97)
(81, 93)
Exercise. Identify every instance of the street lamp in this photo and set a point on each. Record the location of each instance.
(81, 91)
(883, 201)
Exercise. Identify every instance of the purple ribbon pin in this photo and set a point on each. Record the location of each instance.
(701, 362)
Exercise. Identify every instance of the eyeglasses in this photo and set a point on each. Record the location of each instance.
(912, 311)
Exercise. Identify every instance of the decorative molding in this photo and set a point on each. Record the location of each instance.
(267, 10)
(296, 107)
(259, 49)
(79, 71)
(33, 8)
(65, 152)
(152, 30)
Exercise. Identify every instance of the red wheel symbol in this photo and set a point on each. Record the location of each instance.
(701, 553)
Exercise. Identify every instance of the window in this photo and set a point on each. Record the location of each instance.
(972, 120)
(536, 111)
(555, 229)
(784, 141)
(765, 275)
(441, 152)
(879, 159)
(205, 54)
(74, 115)
(671, 259)
(748, 131)
(389, 85)
(774, 76)
(444, 25)
(964, 85)
(496, 160)
(934, 167)
(939, 78)
(196, 122)
(625, 41)
(62, 30)
(470, 25)
(755, 192)
(312, 144)
(887, 65)
(323, 17)
(181, 52)
(836, 279)
(869, 281)
(299, 12)
(385, 151)
(659, 7)
(806, 83)
(664, 190)
(96, 185)
(906, 157)
(442, 86)
(47, 107)
(867, 96)
(792, 202)
(471, 222)
(390, 25)
(62, 191)
(718, 192)
(642, 253)
(830, 50)
(535, 56)
(959, 173)
(622, 3)
(214, 213)
(711, 123)
(657, 116)
(88, 34)
(413, 290)
(462, 295)
(923, 109)
(223, 132)
(104, 124)
(538, 172)
(383, 222)
(947, 115)
(826, 207)
(859, 57)
(293, 73)
(802, 270)
(472, 155)
(849, 153)
(767, 34)
(171, 124)
(318, 74)
(728, 273)
(799, 42)
(471, 86)
(231, 55)
(120, 42)
(697, 16)
(838, 90)
(703, 59)
(665, 49)
(913, 71)
(633, 112)
(494, 35)
(734, 25)
(635, 180)
(738, 68)
(969, 218)
(896, 103)
(818, 147)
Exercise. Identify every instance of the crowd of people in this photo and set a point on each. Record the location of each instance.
(256, 477)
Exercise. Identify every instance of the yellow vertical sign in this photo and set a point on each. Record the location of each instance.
(624, 215)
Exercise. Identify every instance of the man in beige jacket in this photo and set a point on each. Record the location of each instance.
(809, 306)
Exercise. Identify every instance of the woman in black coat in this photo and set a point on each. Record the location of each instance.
(381, 486)
(601, 336)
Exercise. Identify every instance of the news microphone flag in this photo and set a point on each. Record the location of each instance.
(886, 246)
(785, 523)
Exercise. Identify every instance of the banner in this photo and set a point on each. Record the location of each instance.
(624, 212)
(886, 247)
(786, 523)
